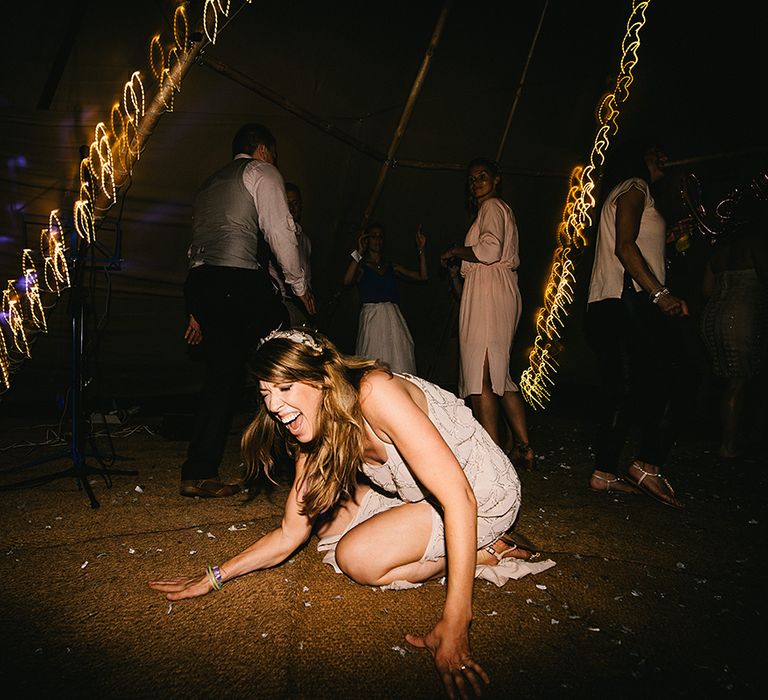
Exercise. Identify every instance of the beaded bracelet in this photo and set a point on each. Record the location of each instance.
(214, 574)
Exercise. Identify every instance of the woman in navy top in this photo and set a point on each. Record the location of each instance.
(382, 331)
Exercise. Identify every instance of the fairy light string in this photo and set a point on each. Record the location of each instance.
(538, 378)
(116, 147)
(35, 310)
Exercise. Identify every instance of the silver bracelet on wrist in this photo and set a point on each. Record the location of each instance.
(356, 256)
(658, 294)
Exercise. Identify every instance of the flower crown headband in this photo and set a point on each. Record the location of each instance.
(295, 336)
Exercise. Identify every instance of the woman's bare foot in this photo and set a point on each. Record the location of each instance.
(606, 482)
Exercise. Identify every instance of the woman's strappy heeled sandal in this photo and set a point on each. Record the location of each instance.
(517, 542)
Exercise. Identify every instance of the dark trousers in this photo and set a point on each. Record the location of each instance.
(639, 362)
(235, 308)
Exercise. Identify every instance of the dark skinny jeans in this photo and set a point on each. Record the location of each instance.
(639, 361)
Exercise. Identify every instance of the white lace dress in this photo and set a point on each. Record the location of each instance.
(488, 470)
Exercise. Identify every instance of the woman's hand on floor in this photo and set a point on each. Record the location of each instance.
(181, 588)
(461, 675)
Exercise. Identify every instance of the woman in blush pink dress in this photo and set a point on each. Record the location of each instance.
(490, 310)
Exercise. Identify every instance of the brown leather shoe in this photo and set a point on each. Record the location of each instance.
(208, 488)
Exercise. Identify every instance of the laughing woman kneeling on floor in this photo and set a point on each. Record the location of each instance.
(441, 488)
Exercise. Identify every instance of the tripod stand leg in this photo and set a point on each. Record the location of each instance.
(83, 470)
(79, 469)
(82, 481)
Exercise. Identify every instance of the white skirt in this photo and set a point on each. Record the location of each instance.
(383, 335)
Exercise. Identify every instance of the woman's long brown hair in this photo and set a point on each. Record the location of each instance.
(334, 457)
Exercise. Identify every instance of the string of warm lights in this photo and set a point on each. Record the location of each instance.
(14, 317)
(54, 254)
(537, 379)
(105, 169)
(32, 289)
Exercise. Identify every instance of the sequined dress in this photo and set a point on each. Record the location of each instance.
(488, 470)
(734, 324)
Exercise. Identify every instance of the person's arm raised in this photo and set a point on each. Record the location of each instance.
(354, 269)
(422, 274)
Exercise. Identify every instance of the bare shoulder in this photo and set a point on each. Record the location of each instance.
(377, 385)
(384, 396)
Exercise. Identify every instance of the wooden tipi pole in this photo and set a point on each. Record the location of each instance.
(267, 93)
(406, 115)
(519, 90)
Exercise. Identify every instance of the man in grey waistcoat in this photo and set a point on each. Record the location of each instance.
(230, 298)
